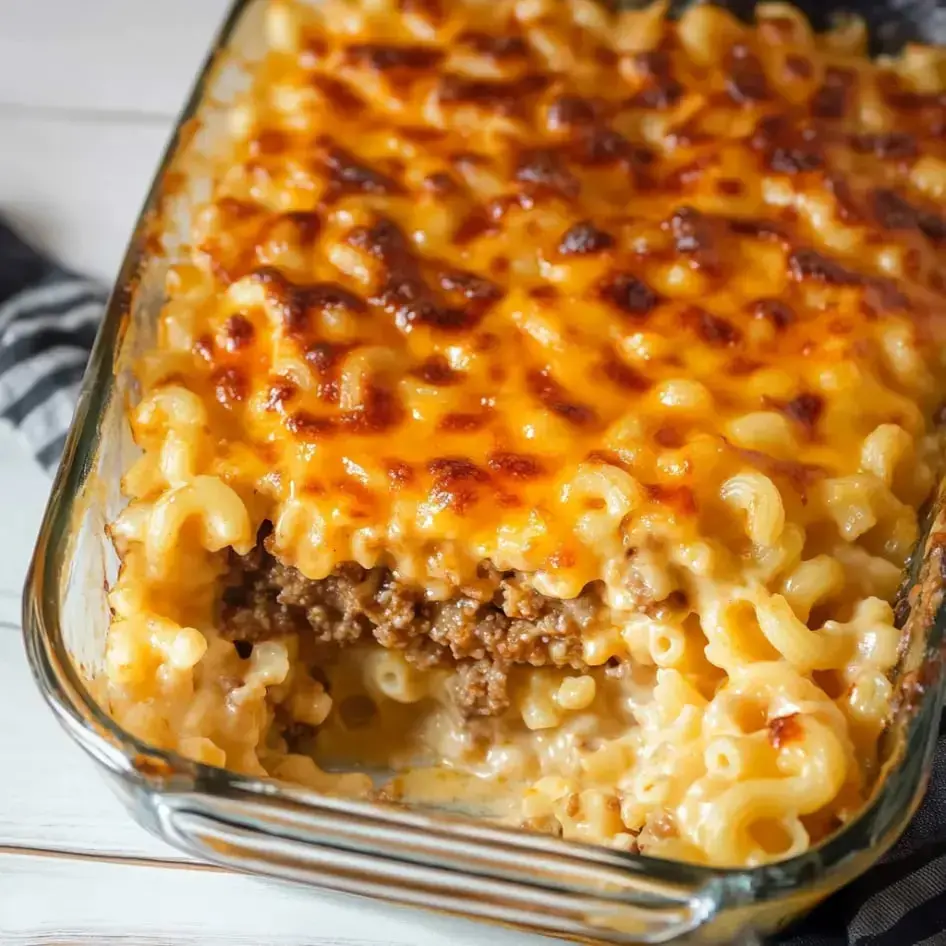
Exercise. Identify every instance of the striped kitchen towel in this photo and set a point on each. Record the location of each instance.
(48, 318)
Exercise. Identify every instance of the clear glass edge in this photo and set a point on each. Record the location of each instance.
(157, 772)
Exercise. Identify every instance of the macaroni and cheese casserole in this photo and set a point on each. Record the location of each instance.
(539, 419)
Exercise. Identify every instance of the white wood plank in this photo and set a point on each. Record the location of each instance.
(127, 55)
(76, 186)
(47, 900)
(51, 796)
(23, 490)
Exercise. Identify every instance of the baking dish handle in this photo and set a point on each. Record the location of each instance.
(395, 863)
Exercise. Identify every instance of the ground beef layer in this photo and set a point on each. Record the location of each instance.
(481, 634)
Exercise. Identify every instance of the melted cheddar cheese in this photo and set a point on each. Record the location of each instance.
(592, 297)
(446, 268)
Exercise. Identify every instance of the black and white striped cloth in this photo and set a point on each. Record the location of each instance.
(48, 319)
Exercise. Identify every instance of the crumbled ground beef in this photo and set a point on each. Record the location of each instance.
(263, 599)
(481, 636)
(480, 687)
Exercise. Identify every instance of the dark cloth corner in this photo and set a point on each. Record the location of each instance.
(48, 320)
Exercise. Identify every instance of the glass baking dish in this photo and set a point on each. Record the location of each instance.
(425, 857)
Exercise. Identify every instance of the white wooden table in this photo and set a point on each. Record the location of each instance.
(88, 92)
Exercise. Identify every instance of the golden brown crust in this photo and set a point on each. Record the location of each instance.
(595, 357)
(487, 254)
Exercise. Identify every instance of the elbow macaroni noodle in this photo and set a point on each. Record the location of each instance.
(690, 371)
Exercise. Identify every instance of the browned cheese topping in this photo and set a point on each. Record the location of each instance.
(548, 393)
(458, 237)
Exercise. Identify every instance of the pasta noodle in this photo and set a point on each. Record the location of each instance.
(540, 412)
